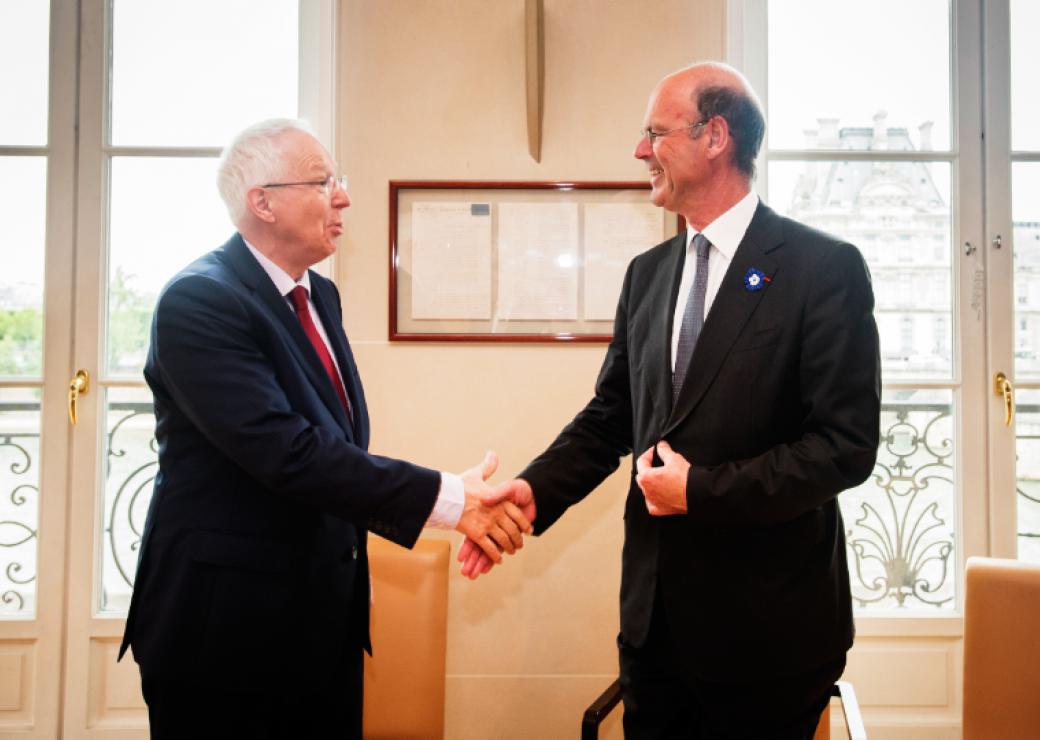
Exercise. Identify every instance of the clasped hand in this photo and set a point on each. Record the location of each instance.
(663, 487)
(491, 524)
(513, 494)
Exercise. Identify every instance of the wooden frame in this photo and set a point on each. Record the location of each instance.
(494, 261)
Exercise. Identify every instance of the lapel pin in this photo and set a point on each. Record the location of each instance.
(755, 279)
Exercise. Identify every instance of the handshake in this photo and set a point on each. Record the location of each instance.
(496, 519)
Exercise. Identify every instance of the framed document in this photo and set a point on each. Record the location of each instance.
(515, 261)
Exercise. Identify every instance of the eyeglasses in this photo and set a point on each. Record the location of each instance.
(652, 136)
(329, 184)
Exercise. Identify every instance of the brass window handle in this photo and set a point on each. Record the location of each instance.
(79, 385)
(1002, 386)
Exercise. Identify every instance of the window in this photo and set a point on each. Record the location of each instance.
(849, 127)
(1024, 20)
(941, 336)
(889, 136)
(24, 77)
(154, 142)
(106, 176)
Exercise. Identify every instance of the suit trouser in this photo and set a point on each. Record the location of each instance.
(179, 709)
(662, 701)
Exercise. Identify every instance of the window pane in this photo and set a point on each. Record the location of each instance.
(130, 465)
(194, 72)
(19, 500)
(1025, 223)
(23, 196)
(900, 523)
(1025, 61)
(1027, 435)
(868, 69)
(144, 253)
(24, 69)
(898, 214)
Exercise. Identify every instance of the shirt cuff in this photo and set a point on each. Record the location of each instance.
(451, 499)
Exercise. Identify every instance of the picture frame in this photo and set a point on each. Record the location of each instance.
(500, 261)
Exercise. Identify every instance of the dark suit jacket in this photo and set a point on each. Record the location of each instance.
(778, 414)
(253, 570)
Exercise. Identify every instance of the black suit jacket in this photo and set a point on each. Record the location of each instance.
(253, 570)
(778, 414)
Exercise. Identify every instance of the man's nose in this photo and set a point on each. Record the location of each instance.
(340, 199)
(643, 148)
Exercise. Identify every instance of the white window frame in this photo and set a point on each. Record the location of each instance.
(746, 38)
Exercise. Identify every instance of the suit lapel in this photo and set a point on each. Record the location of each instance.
(324, 301)
(733, 306)
(664, 291)
(253, 275)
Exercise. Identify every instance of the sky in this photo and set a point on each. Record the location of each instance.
(894, 56)
(23, 80)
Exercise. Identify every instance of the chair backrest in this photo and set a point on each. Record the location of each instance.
(1001, 650)
(823, 727)
(404, 678)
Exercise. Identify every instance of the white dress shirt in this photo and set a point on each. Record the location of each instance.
(725, 234)
(451, 497)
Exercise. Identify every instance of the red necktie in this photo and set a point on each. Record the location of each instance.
(298, 296)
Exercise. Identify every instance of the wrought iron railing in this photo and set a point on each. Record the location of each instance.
(128, 496)
(19, 527)
(1032, 495)
(899, 524)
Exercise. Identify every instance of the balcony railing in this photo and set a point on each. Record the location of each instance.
(899, 524)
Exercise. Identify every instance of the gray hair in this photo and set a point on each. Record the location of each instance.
(254, 157)
(743, 114)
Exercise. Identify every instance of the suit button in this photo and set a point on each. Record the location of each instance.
(353, 552)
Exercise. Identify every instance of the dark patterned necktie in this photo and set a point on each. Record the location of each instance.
(693, 316)
(298, 296)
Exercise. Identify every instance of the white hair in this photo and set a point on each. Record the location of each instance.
(254, 157)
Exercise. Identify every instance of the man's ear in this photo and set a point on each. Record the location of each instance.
(718, 136)
(259, 205)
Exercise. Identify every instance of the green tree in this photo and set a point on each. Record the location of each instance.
(21, 341)
(129, 319)
(129, 316)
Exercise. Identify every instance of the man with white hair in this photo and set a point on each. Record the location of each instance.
(250, 608)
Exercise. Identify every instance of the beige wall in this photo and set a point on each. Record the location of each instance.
(435, 89)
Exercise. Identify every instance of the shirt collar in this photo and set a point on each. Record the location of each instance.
(727, 231)
(281, 279)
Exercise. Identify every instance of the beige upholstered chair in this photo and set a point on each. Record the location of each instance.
(1001, 650)
(404, 680)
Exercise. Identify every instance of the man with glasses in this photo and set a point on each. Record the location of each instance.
(250, 608)
(744, 376)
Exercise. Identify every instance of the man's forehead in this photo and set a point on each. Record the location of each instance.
(669, 100)
(307, 151)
